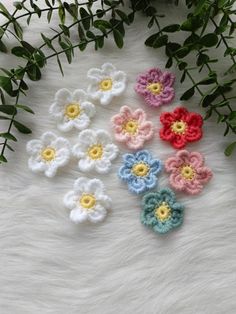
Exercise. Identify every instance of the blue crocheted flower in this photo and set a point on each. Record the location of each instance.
(161, 212)
(139, 171)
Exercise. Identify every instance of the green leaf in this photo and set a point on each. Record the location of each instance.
(21, 127)
(8, 136)
(171, 28)
(209, 40)
(61, 13)
(4, 118)
(2, 159)
(49, 15)
(34, 72)
(103, 23)
(118, 38)
(18, 29)
(192, 24)
(3, 47)
(47, 42)
(85, 18)
(207, 81)
(151, 39)
(229, 149)
(221, 3)
(202, 59)
(123, 16)
(4, 10)
(5, 83)
(182, 52)
(188, 94)
(18, 5)
(65, 29)
(169, 63)
(161, 41)
(25, 108)
(8, 109)
(67, 50)
(20, 52)
(199, 7)
(60, 66)
(9, 147)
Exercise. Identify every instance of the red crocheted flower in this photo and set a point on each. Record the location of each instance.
(181, 127)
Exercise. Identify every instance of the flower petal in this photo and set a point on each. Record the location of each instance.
(181, 113)
(87, 138)
(36, 165)
(193, 186)
(167, 79)
(167, 118)
(51, 170)
(117, 88)
(79, 96)
(173, 163)
(66, 125)
(204, 174)
(150, 181)
(146, 130)
(108, 69)
(177, 181)
(96, 187)
(34, 147)
(178, 141)
(78, 150)
(129, 159)
(196, 159)
(98, 214)
(103, 137)
(82, 122)
(167, 95)
(110, 151)
(155, 166)
(106, 97)
(104, 200)
(102, 165)
(86, 164)
(63, 96)
(119, 76)
(77, 215)
(70, 200)
(62, 156)
(143, 155)
(125, 173)
(137, 185)
(48, 137)
(81, 186)
(166, 195)
(194, 119)
(88, 108)
(166, 134)
(193, 134)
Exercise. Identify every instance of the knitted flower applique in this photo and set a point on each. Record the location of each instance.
(105, 83)
(181, 127)
(48, 153)
(188, 172)
(132, 128)
(87, 201)
(72, 110)
(140, 171)
(95, 151)
(156, 87)
(161, 212)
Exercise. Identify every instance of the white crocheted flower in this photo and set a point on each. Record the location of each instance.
(95, 151)
(87, 201)
(106, 83)
(48, 153)
(72, 110)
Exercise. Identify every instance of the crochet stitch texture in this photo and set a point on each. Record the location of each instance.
(132, 128)
(95, 151)
(48, 153)
(105, 83)
(181, 127)
(188, 172)
(161, 212)
(140, 171)
(72, 110)
(87, 201)
(156, 87)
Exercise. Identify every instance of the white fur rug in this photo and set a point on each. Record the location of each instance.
(50, 265)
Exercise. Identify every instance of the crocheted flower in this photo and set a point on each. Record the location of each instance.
(87, 201)
(140, 171)
(132, 128)
(161, 212)
(187, 171)
(106, 83)
(95, 151)
(181, 127)
(72, 110)
(156, 87)
(48, 153)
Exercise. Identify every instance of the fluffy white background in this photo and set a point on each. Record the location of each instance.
(50, 265)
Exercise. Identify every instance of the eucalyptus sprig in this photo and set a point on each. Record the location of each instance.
(95, 25)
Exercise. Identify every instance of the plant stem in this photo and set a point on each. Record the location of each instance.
(193, 81)
(48, 57)
(224, 41)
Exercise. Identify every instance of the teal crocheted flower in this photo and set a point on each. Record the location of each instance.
(140, 171)
(161, 212)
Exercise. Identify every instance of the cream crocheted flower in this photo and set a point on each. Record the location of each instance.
(48, 153)
(87, 201)
(106, 83)
(95, 151)
(72, 110)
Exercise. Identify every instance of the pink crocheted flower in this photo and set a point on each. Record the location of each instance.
(156, 87)
(187, 171)
(132, 128)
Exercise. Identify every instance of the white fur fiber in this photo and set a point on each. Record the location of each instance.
(49, 265)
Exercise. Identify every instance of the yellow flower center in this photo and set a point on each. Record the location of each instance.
(105, 85)
(155, 88)
(187, 172)
(72, 110)
(48, 154)
(163, 212)
(87, 201)
(140, 169)
(179, 127)
(131, 126)
(95, 151)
